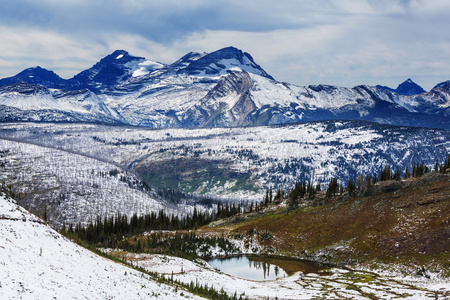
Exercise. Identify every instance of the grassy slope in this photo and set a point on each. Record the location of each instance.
(409, 225)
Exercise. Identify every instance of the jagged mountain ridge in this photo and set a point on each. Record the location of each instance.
(227, 88)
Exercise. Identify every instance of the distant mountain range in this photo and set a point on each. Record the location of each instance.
(220, 89)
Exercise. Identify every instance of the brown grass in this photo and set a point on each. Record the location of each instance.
(410, 224)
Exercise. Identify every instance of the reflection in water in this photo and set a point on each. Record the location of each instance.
(256, 267)
(253, 268)
(265, 267)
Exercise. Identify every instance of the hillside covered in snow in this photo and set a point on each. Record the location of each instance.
(239, 163)
(36, 262)
(71, 188)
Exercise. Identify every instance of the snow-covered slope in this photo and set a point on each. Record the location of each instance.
(36, 262)
(74, 188)
(242, 162)
(27, 102)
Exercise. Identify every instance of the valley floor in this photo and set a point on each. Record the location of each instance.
(335, 283)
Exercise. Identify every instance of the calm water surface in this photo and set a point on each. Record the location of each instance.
(262, 268)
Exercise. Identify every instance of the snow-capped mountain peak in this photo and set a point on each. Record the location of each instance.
(113, 68)
(221, 61)
(409, 88)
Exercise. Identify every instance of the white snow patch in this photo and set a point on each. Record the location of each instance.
(145, 68)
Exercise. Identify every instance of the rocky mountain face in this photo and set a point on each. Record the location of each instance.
(37, 76)
(409, 88)
(406, 88)
(222, 88)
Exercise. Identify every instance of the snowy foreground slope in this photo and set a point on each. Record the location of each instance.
(36, 262)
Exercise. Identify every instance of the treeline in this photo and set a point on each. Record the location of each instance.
(268, 199)
(109, 230)
(211, 293)
(304, 188)
(387, 173)
(301, 189)
(186, 245)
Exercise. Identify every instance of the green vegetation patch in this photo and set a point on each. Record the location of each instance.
(195, 175)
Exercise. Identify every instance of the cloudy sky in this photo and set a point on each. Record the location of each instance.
(338, 42)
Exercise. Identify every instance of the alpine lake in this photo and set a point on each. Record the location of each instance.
(262, 268)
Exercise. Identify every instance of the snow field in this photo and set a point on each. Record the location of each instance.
(38, 263)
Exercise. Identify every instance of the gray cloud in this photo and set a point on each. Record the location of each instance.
(163, 23)
(304, 42)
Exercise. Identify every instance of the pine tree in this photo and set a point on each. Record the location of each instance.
(407, 174)
(45, 217)
(351, 187)
(318, 187)
(333, 188)
(279, 195)
(386, 174)
(270, 195)
(266, 199)
(397, 175)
